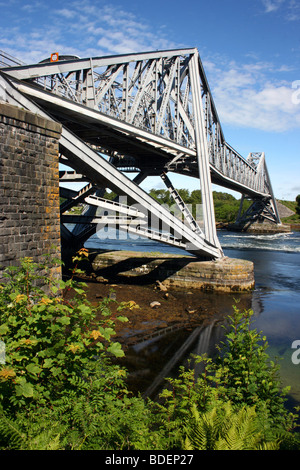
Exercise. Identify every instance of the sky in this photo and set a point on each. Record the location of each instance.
(250, 50)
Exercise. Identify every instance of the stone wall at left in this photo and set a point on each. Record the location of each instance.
(29, 187)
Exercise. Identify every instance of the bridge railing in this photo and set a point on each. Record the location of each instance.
(7, 60)
(164, 93)
(151, 91)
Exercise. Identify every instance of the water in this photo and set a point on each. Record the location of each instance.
(275, 300)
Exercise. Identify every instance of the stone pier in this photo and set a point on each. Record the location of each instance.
(174, 271)
(29, 186)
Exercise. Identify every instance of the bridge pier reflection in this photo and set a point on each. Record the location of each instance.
(152, 357)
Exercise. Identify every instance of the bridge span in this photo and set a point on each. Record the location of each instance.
(149, 114)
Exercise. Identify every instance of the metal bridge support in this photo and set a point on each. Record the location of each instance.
(150, 113)
(262, 209)
(259, 211)
(188, 217)
(203, 154)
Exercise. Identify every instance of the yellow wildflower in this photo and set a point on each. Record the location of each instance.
(131, 304)
(83, 252)
(28, 341)
(19, 298)
(46, 301)
(95, 334)
(7, 373)
(73, 348)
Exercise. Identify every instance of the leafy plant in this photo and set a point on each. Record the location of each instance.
(60, 389)
(241, 378)
(51, 341)
(226, 428)
(244, 370)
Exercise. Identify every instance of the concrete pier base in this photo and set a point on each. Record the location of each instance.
(260, 228)
(174, 271)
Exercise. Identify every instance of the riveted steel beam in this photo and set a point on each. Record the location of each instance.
(152, 113)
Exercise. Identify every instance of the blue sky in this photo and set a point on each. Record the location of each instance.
(250, 50)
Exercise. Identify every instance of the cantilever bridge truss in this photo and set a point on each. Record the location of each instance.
(146, 114)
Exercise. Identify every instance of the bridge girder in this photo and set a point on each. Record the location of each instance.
(151, 113)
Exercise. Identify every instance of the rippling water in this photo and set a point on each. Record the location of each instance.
(279, 242)
(275, 300)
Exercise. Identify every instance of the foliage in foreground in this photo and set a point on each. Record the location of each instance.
(60, 389)
(241, 382)
(224, 428)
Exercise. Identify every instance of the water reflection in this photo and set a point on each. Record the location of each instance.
(275, 302)
(150, 362)
(159, 355)
(155, 356)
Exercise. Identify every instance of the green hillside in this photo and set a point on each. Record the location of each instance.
(295, 207)
(226, 206)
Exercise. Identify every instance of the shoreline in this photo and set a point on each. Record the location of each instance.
(159, 309)
(162, 305)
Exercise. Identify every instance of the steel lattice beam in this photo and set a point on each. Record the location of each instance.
(151, 113)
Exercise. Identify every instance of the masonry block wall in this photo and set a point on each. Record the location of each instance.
(29, 186)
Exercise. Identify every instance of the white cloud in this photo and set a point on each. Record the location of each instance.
(30, 7)
(66, 13)
(81, 28)
(291, 10)
(250, 96)
(272, 5)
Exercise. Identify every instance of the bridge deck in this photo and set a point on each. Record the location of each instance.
(150, 113)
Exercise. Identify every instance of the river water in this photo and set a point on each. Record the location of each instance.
(275, 300)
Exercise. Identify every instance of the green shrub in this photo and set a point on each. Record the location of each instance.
(60, 389)
(241, 377)
(51, 342)
(226, 428)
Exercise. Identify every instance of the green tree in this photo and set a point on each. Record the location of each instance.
(162, 196)
(196, 197)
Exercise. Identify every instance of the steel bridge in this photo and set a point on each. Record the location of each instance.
(148, 114)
